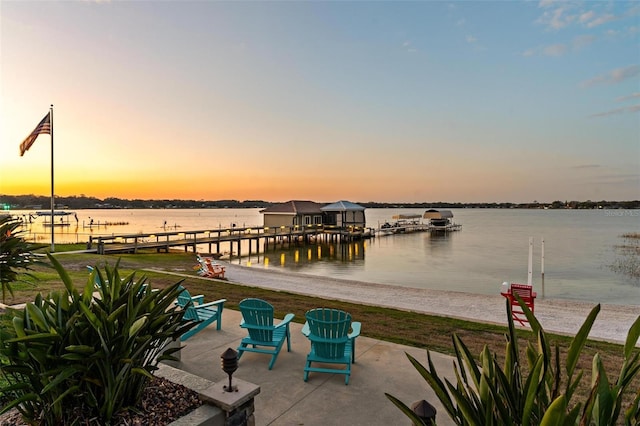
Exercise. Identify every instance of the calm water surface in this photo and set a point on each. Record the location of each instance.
(492, 247)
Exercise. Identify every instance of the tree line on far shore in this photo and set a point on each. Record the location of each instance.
(37, 202)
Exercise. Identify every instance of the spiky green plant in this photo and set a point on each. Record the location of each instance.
(92, 352)
(535, 391)
(16, 254)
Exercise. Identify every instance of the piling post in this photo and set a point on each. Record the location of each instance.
(542, 266)
(530, 269)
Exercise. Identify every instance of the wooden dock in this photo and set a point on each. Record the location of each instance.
(163, 241)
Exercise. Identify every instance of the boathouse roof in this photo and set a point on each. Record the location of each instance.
(437, 214)
(294, 207)
(342, 206)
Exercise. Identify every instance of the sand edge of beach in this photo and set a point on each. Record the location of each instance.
(555, 315)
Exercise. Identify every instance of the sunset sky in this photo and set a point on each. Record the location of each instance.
(422, 101)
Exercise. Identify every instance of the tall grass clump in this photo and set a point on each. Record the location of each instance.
(627, 261)
(93, 352)
(537, 388)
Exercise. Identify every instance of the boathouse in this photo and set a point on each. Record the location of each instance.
(344, 214)
(292, 213)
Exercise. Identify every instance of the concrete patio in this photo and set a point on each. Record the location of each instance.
(285, 399)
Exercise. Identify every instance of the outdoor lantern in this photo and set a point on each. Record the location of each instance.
(229, 366)
(425, 411)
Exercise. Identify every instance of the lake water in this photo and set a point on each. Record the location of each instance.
(492, 247)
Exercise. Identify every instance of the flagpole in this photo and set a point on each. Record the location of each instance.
(53, 247)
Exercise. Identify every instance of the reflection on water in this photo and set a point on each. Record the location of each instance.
(439, 240)
(301, 257)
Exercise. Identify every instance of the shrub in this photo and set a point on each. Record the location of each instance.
(486, 393)
(15, 253)
(72, 350)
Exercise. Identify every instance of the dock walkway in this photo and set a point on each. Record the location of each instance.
(163, 241)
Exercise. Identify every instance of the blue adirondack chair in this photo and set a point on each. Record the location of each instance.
(331, 341)
(98, 283)
(200, 312)
(264, 337)
(96, 279)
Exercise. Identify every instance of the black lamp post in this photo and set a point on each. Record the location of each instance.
(229, 366)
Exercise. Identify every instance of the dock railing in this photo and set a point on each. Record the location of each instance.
(165, 240)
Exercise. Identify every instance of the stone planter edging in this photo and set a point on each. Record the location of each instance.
(219, 405)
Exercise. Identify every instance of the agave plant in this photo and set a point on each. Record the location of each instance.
(15, 253)
(535, 391)
(92, 352)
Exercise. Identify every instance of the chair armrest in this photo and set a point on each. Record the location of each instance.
(305, 329)
(243, 324)
(197, 299)
(287, 319)
(355, 330)
(216, 302)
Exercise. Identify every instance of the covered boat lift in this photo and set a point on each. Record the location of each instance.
(441, 220)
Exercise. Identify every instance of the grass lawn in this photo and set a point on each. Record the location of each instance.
(393, 325)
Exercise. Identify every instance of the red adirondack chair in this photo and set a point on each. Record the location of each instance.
(527, 295)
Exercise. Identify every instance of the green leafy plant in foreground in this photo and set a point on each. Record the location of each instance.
(15, 253)
(72, 350)
(487, 393)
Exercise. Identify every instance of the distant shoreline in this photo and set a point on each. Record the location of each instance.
(40, 202)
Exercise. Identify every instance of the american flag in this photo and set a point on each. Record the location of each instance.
(43, 127)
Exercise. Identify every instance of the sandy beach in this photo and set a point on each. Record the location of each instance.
(560, 316)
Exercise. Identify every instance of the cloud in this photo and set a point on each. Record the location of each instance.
(619, 179)
(546, 3)
(560, 19)
(633, 11)
(614, 76)
(621, 110)
(586, 17)
(471, 39)
(628, 97)
(560, 49)
(407, 46)
(608, 113)
(621, 74)
(554, 50)
(601, 20)
(559, 15)
(582, 41)
(551, 50)
(587, 166)
(616, 111)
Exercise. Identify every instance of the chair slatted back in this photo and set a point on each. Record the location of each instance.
(185, 302)
(259, 314)
(329, 329)
(525, 292)
(184, 298)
